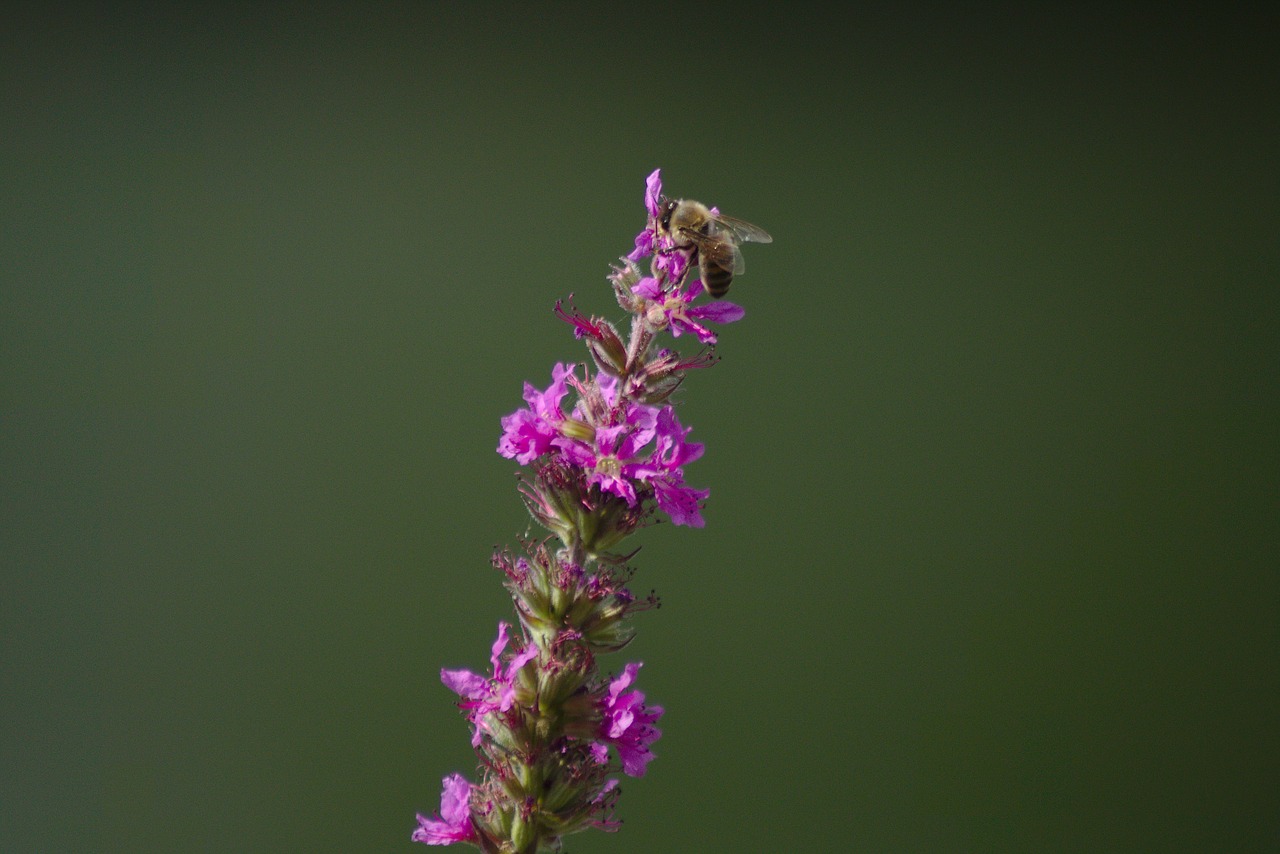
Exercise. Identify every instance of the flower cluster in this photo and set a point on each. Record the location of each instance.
(623, 448)
(604, 452)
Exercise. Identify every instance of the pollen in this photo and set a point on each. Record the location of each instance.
(609, 466)
(656, 315)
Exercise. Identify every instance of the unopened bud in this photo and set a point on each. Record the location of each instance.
(522, 833)
(609, 352)
(572, 428)
(624, 278)
(655, 316)
(656, 390)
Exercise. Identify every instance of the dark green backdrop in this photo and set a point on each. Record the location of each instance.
(991, 557)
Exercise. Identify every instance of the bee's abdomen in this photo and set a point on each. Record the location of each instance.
(715, 279)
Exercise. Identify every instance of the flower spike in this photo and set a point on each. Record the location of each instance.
(603, 453)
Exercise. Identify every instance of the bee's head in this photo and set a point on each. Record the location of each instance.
(666, 207)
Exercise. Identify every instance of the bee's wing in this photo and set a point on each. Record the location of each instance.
(743, 231)
(718, 250)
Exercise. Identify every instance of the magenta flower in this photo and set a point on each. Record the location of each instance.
(454, 821)
(652, 203)
(674, 309)
(664, 471)
(653, 193)
(484, 695)
(671, 451)
(618, 457)
(644, 246)
(612, 456)
(627, 724)
(527, 433)
(670, 262)
(682, 503)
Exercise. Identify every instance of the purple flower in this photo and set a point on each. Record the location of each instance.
(454, 822)
(527, 433)
(680, 502)
(672, 309)
(671, 262)
(653, 193)
(618, 457)
(628, 724)
(483, 695)
(664, 471)
(644, 246)
(671, 451)
(612, 456)
(652, 203)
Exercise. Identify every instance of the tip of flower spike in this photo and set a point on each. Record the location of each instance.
(653, 192)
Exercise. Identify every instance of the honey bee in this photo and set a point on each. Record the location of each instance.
(712, 237)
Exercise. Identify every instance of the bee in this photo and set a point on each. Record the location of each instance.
(712, 237)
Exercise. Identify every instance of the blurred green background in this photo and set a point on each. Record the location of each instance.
(991, 556)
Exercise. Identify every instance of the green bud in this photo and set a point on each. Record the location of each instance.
(608, 351)
(575, 429)
(523, 835)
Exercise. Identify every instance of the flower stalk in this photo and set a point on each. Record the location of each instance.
(604, 453)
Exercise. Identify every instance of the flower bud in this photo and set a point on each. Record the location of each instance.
(572, 428)
(624, 278)
(522, 833)
(656, 390)
(655, 316)
(548, 511)
(607, 350)
(603, 342)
